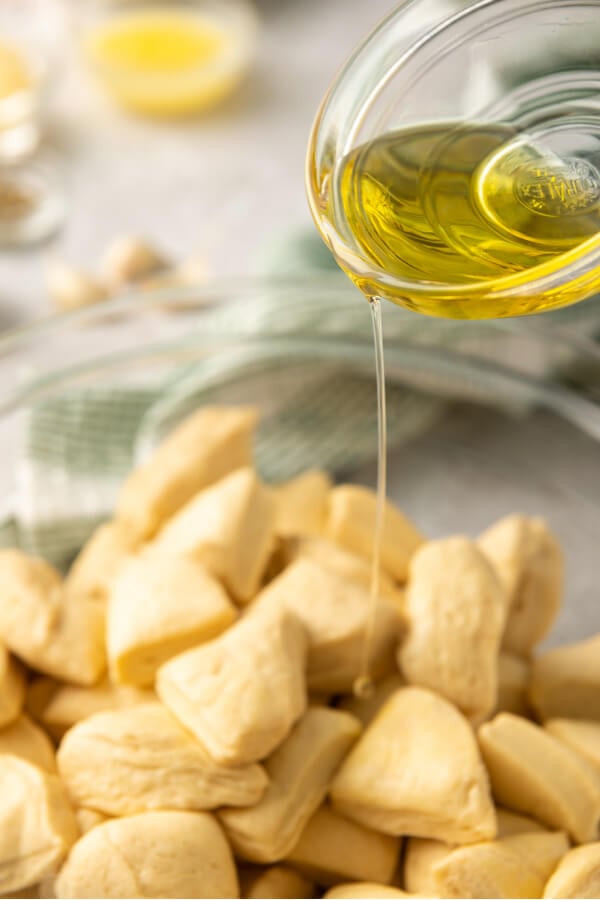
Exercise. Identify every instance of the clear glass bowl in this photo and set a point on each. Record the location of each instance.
(532, 65)
(485, 418)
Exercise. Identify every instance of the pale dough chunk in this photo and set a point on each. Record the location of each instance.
(582, 736)
(54, 633)
(24, 739)
(241, 693)
(157, 854)
(358, 889)
(131, 760)
(159, 607)
(99, 561)
(335, 613)
(60, 706)
(299, 773)
(276, 882)
(455, 609)
(12, 688)
(366, 708)
(425, 778)
(516, 866)
(89, 818)
(513, 683)
(37, 824)
(565, 682)
(529, 563)
(342, 562)
(534, 773)
(351, 523)
(577, 874)
(302, 504)
(228, 527)
(332, 849)
(421, 856)
(203, 449)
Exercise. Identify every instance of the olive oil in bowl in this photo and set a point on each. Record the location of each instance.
(466, 206)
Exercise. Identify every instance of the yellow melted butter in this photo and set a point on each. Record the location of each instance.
(162, 61)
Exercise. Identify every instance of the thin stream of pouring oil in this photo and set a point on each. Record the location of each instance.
(363, 685)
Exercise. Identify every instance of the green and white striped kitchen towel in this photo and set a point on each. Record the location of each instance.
(309, 367)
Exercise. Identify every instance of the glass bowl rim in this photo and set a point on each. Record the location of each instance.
(582, 259)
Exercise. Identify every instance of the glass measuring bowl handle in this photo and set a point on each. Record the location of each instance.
(530, 67)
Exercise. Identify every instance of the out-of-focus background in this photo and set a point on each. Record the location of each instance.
(225, 186)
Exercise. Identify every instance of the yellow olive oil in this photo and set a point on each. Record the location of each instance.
(363, 686)
(469, 205)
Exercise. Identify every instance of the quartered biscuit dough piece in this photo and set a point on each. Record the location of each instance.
(155, 854)
(335, 613)
(582, 736)
(37, 824)
(130, 760)
(513, 685)
(60, 706)
(301, 504)
(421, 856)
(565, 682)
(417, 770)
(455, 609)
(516, 866)
(529, 563)
(366, 708)
(332, 849)
(359, 889)
(351, 522)
(99, 561)
(230, 528)
(344, 563)
(241, 693)
(24, 739)
(159, 607)
(12, 687)
(276, 882)
(203, 449)
(577, 874)
(54, 633)
(534, 773)
(300, 772)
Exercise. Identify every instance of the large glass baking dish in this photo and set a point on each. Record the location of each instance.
(485, 418)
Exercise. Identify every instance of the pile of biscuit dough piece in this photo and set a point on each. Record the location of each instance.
(177, 716)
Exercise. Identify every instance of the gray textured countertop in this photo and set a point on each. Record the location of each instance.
(222, 186)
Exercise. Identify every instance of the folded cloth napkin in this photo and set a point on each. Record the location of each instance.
(309, 366)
